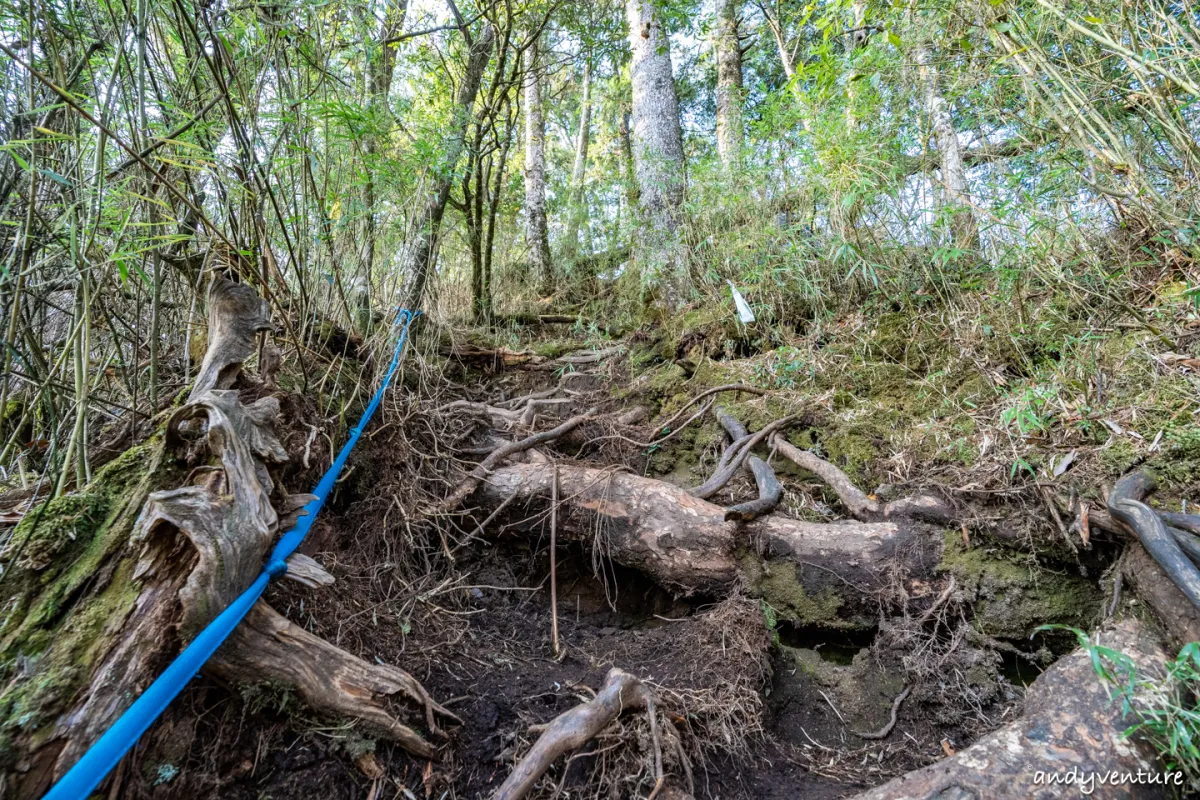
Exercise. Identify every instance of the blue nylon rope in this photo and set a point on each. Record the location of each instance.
(110, 748)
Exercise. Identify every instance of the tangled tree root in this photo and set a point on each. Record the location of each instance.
(1170, 547)
(1069, 723)
(769, 489)
(572, 729)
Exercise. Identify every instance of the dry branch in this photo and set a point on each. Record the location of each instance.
(730, 387)
(572, 729)
(926, 508)
(481, 472)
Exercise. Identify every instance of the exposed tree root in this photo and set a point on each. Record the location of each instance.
(1070, 723)
(572, 729)
(883, 732)
(266, 646)
(926, 508)
(769, 489)
(735, 456)
(1125, 505)
(485, 468)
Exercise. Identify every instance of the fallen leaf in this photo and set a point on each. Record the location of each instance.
(1157, 439)
(1112, 426)
(947, 748)
(1085, 529)
(369, 766)
(1179, 360)
(1065, 463)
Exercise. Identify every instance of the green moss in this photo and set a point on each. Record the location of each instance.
(1178, 465)
(61, 550)
(1119, 455)
(1013, 595)
(554, 349)
(779, 586)
(852, 449)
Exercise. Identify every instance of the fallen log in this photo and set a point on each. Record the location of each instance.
(832, 573)
(1071, 727)
(769, 490)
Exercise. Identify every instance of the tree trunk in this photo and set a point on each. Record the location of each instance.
(954, 172)
(578, 208)
(657, 153)
(775, 23)
(1071, 726)
(537, 236)
(105, 586)
(381, 64)
(418, 251)
(730, 130)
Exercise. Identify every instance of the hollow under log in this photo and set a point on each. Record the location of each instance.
(1070, 724)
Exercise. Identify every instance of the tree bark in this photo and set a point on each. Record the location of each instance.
(418, 251)
(103, 587)
(957, 192)
(685, 543)
(537, 235)
(657, 153)
(775, 23)
(1070, 724)
(578, 197)
(730, 129)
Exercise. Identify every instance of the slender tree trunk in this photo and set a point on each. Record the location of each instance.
(495, 194)
(956, 191)
(657, 153)
(624, 128)
(420, 249)
(776, 25)
(536, 234)
(578, 210)
(730, 129)
(380, 68)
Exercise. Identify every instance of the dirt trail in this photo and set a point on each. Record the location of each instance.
(762, 690)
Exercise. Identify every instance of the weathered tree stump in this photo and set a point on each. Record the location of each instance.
(98, 598)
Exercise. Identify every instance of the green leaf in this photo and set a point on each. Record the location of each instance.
(893, 39)
(1094, 20)
(54, 176)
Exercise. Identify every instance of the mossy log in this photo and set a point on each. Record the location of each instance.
(102, 588)
(1071, 727)
(832, 574)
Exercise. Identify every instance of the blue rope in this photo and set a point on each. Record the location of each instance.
(110, 748)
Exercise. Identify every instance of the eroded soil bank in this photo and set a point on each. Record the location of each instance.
(777, 681)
